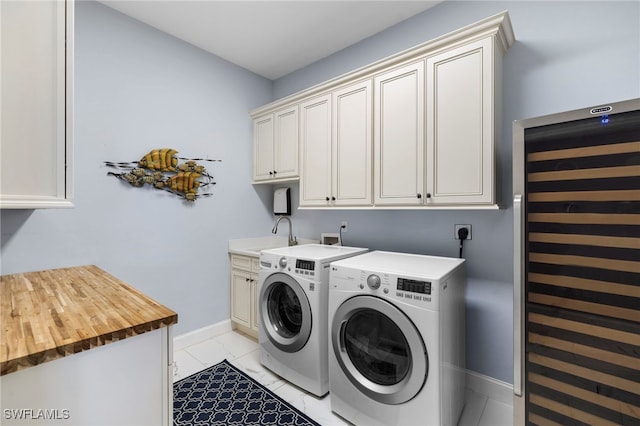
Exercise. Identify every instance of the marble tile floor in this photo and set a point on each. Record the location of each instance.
(244, 353)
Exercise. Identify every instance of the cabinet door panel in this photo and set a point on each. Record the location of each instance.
(399, 136)
(255, 303)
(352, 145)
(315, 131)
(460, 125)
(241, 297)
(36, 102)
(263, 151)
(286, 143)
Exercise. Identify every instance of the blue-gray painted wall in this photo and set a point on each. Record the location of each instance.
(138, 89)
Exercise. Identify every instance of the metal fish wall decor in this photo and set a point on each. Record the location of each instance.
(161, 169)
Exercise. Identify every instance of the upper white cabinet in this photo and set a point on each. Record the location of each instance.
(351, 155)
(36, 91)
(275, 145)
(315, 141)
(461, 114)
(336, 146)
(399, 136)
(414, 130)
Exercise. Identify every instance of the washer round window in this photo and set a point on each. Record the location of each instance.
(377, 347)
(284, 310)
(285, 313)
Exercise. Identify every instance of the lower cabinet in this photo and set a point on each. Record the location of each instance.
(244, 294)
(128, 382)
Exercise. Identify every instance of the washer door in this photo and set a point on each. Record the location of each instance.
(285, 312)
(379, 349)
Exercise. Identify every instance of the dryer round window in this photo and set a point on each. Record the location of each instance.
(377, 346)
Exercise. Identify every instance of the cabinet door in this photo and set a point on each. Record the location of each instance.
(399, 136)
(286, 143)
(315, 134)
(255, 303)
(263, 148)
(460, 125)
(36, 102)
(241, 297)
(352, 145)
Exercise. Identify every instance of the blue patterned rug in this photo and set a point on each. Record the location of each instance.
(224, 395)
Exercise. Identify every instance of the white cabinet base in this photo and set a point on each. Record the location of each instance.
(128, 382)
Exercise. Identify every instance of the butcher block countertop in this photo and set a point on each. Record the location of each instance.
(59, 312)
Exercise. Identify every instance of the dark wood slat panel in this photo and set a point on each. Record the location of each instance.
(586, 373)
(588, 406)
(621, 277)
(590, 307)
(586, 240)
(598, 173)
(570, 412)
(619, 148)
(583, 185)
(608, 207)
(538, 420)
(550, 417)
(586, 218)
(603, 298)
(586, 383)
(593, 262)
(586, 318)
(594, 162)
(587, 328)
(598, 196)
(630, 353)
(589, 351)
(600, 252)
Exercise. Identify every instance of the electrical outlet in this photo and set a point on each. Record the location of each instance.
(343, 226)
(458, 227)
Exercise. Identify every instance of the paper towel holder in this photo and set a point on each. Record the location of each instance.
(282, 201)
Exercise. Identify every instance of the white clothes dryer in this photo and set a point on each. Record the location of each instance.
(397, 354)
(293, 333)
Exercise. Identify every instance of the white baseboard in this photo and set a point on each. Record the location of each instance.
(204, 333)
(492, 388)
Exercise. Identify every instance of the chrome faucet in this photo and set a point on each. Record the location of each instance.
(292, 239)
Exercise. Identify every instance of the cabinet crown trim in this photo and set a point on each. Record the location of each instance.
(497, 26)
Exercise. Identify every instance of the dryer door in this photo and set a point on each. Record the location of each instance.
(379, 349)
(285, 312)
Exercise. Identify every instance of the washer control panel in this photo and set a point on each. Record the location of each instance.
(414, 286)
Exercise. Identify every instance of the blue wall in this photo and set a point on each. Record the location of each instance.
(138, 88)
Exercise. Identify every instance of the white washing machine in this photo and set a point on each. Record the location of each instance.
(397, 353)
(293, 334)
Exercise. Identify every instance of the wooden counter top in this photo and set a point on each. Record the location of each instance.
(55, 313)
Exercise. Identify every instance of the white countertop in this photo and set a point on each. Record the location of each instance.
(253, 246)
